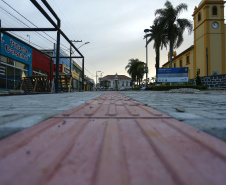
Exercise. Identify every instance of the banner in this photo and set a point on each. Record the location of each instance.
(173, 74)
(16, 50)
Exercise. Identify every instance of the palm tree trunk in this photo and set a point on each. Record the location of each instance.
(157, 61)
(171, 53)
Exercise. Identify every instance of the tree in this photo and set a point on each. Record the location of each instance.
(140, 71)
(105, 83)
(174, 27)
(135, 68)
(159, 36)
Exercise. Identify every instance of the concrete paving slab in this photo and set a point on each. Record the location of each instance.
(19, 112)
(206, 107)
(185, 116)
(213, 127)
(202, 105)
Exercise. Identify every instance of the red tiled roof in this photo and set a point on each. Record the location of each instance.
(119, 76)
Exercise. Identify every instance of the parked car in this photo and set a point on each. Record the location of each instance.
(143, 89)
(122, 88)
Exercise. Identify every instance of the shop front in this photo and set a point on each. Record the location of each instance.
(64, 69)
(18, 60)
(41, 64)
(15, 62)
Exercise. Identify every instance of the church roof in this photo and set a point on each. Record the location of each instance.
(119, 77)
(183, 52)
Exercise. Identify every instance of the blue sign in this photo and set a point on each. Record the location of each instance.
(173, 74)
(16, 50)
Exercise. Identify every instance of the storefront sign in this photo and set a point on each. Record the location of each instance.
(66, 70)
(173, 74)
(16, 50)
(75, 75)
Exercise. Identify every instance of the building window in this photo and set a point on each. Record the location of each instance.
(214, 10)
(199, 16)
(127, 84)
(11, 73)
(187, 60)
(181, 63)
(174, 65)
(122, 83)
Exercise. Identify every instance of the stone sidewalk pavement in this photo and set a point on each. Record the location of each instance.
(205, 110)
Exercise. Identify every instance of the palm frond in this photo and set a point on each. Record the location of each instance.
(179, 9)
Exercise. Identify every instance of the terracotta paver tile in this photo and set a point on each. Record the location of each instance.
(112, 140)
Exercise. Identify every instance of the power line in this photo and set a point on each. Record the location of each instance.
(26, 40)
(31, 23)
(72, 33)
(25, 24)
(26, 18)
(67, 49)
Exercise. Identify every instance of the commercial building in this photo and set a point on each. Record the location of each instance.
(18, 59)
(64, 67)
(207, 56)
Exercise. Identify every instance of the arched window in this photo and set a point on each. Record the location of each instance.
(199, 16)
(214, 10)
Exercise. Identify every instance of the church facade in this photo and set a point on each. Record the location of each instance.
(207, 56)
(117, 81)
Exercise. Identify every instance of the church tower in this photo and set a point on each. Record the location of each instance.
(209, 38)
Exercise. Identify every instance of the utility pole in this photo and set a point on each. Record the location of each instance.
(71, 51)
(146, 68)
(96, 77)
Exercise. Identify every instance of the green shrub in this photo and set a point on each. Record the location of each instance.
(136, 88)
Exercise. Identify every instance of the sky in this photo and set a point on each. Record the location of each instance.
(114, 28)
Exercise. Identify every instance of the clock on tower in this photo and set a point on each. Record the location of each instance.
(209, 38)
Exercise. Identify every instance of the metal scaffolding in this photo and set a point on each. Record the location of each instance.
(59, 33)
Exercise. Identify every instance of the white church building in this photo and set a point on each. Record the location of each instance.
(117, 81)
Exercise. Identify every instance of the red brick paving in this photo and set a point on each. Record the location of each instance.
(112, 140)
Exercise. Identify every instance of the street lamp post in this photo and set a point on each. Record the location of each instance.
(96, 77)
(71, 51)
(83, 67)
(83, 44)
(146, 70)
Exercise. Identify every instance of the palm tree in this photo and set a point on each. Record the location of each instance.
(135, 69)
(174, 26)
(140, 71)
(157, 34)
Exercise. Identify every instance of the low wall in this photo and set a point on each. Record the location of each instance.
(213, 82)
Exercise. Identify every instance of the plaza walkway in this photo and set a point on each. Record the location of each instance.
(112, 140)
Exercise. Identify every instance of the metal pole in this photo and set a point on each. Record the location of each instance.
(96, 79)
(83, 71)
(51, 72)
(70, 59)
(52, 22)
(146, 70)
(146, 62)
(57, 59)
(207, 62)
(71, 50)
(0, 39)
